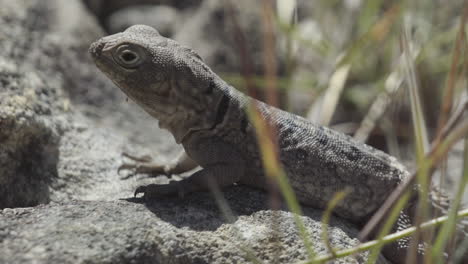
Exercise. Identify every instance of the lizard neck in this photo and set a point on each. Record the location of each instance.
(198, 108)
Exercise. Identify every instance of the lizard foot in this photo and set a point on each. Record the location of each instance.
(152, 191)
(143, 165)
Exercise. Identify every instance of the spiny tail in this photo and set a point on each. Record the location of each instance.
(439, 205)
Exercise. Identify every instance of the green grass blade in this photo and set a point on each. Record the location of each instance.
(386, 240)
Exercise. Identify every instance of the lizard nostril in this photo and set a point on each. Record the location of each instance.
(96, 48)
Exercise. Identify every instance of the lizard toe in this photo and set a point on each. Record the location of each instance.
(143, 158)
(126, 166)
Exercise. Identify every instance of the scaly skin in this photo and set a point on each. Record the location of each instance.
(208, 117)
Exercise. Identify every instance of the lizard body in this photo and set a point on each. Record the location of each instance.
(208, 117)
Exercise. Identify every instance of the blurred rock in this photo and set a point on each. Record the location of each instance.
(31, 104)
(165, 18)
(214, 32)
(103, 8)
(29, 135)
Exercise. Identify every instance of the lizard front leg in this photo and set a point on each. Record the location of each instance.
(182, 163)
(222, 166)
(214, 176)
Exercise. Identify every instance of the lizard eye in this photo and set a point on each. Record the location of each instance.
(128, 57)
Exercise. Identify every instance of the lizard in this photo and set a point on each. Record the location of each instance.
(208, 118)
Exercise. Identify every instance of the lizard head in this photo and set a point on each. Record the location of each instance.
(168, 80)
(150, 68)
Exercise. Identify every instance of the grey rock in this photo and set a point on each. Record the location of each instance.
(189, 230)
(28, 137)
(31, 104)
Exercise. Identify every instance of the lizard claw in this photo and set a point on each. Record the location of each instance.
(140, 189)
(152, 191)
